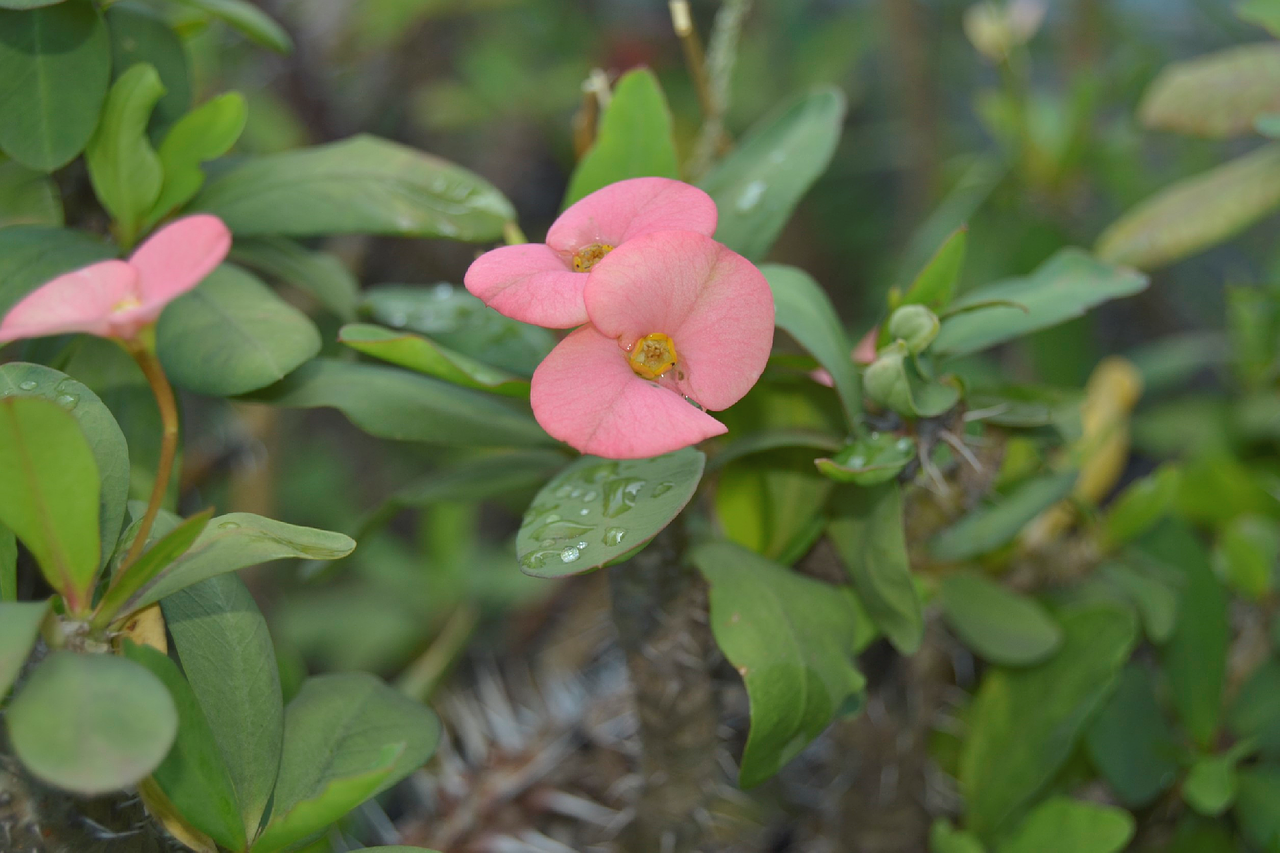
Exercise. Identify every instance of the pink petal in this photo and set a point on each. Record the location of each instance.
(865, 351)
(529, 283)
(179, 256)
(712, 302)
(585, 394)
(628, 209)
(82, 301)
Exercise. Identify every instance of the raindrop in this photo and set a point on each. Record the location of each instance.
(568, 555)
(68, 401)
(537, 559)
(584, 511)
(614, 536)
(229, 525)
(560, 530)
(29, 385)
(904, 444)
(590, 496)
(875, 436)
(552, 517)
(620, 496)
(750, 195)
(582, 544)
(857, 462)
(563, 491)
(662, 488)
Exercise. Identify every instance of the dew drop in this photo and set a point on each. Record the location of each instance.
(536, 559)
(614, 536)
(582, 543)
(590, 496)
(857, 462)
(552, 517)
(229, 525)
(875, 436)
(29, 385)
(568, 555)
(547, 543)
(584, 511)
(750, 195)
(68, 401)
(662, 488)
(620, 495)
(564, 491)
(560, 530)
(904, 444)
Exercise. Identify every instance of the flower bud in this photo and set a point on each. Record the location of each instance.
(885, 379)
(915, 325)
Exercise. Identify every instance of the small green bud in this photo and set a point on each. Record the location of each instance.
(915, 325)
(885, 379)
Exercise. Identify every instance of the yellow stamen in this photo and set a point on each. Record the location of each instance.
(588, 256)
(127, 303)
(653, 355)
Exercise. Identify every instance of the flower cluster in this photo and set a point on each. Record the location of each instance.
(669, 323)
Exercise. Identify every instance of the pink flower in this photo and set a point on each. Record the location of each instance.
(117, 299)
(542, 283)
(674, 315)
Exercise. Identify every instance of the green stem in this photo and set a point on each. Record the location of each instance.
(426, 673)
(146, 357)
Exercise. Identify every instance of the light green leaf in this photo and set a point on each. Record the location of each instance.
(8, 565)
(232, 335)
(106, 441)
(426, 356)
(988, 528)
(139, 36)
(1264, 13)
(226, 653)
(360, 185)
(239, 540)
(997, 623)
(49, 493)
(1064, 825)
(870, 461)
(1210, 786)
(598, 510)
(193, 776)
(1141, 505)
(1246, 554)
(633, 141)
(28, 197)
(1024, 723)
(804, 311)
(1196, 213)
(944, 838)
(248, 19)
(170, 547)
(759, 184)
(392, 403)
(19, 627)
(91, 724)
(1216, 96)
(791, 639)
(30, 255)
(55, 67)
(318, 273)
(936, 283)
(1131, 743)
(773, 503)
(343, 728)
(124, 168)
(893, 380)
(1065, 286)
(205, 133)
(868, 533)
(26, 4)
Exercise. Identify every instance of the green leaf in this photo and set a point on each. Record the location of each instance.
(106, 441)
(936, 283)
(391, 403)
(997, 623)
(598, 510)
(226, 653)
(1264, 13)
(870, 461)
(1131, 743)
(28, 197)
(759, 184)
(1246, 554)
(1141, 506)
(1255, 715)
(481, 478)
(360, 185)
(894, 380)
(26, 4)
(1257, 792)
(248, 19)
(155, 559)
(1064, 825)
(1024, 723)
(633, 141)
(193, 776)
(1065, 286)
(1196, 213)
(1216, 96)
(49, 493)
(988, 528)
(426, 356)
(232, 335)
(456, 319)
(19, 627)
(867, 530)
(55, 67)
(1210, 786)
(239, 540)
(30, 255)
(124, 168)
(773, 503)
(205, 133)
(139, 36)
(91, 724)
(341, 729)
(1155, 600)
(319, 273)
(792, 640)
(8, 565)
(804, 311)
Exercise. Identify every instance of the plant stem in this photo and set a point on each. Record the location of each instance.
(682, 20)
(425, 674)
(146, 357)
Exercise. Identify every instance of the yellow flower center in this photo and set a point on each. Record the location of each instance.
(588, 256)
(127, 303)
(653, 355)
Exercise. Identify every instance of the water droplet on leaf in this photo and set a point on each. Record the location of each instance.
(29, 385)
(570, 554)
(662, 488)
(614, 536)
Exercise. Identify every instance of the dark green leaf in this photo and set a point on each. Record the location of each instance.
(248, 19)
(319, 273)
(1064, 825)
(760, 183)
(997, 623)
(1246, 554)
(870, 461)
(30, 255)
(55, 67)
(1155, 599)
(226, 653)
(124, 168)
(944, 838)
(19, 626)
(1141, 506)
(482, 478)
(867, 531)
(988, 528)
(1130, 742)
(791, 639)
(8, 565)
(139, 36)
(598, 510)
(1218, 95)
(28, 197)
(360, 185)
(205, 133)
(426, 356)
(634, 139)
(232, 335)
(91, 723)
(1255, 715)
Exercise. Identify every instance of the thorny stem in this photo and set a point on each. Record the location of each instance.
(146, 357)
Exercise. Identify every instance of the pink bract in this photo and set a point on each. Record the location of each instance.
(536, 283)
(717, 310)
(117, 299)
